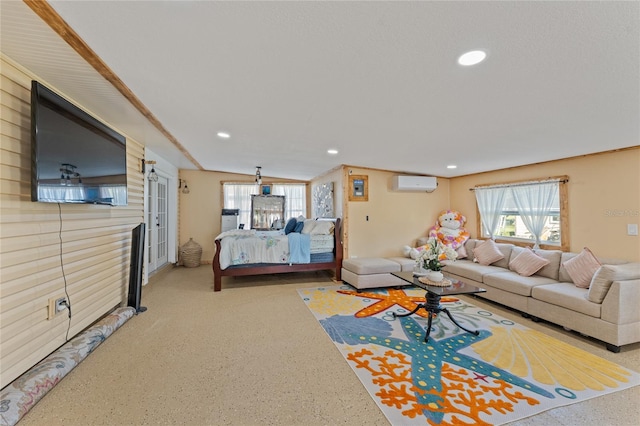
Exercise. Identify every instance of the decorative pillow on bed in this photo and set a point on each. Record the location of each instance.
(487, 252)
(309, 224)
(290, 226)
(527, 263)
(299, 226)
(322, 227)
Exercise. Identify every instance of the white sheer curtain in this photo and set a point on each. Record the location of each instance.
(117, 194)
(534, 202)
(238, 196)
(295, 199)
(490, 203)
(58, 194)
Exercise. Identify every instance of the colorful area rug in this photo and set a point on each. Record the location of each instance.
(507, 372)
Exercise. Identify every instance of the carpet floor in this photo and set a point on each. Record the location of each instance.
(253, 354)
(499, 373)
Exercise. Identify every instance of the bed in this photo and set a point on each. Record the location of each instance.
(249, 252)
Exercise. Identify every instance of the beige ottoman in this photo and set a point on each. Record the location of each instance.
(371, 272)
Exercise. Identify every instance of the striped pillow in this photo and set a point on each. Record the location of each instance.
(527, 263)
(487, 252)
(582, 268)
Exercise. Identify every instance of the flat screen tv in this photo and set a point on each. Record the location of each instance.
(74, 157)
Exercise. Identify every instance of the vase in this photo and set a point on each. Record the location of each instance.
(435, 276)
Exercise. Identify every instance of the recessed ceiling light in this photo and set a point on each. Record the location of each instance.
(452, 166)
(472, 58)
(224, 135)
(332, 151)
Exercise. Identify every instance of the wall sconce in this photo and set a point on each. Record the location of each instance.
(185, 188)
(258, 175)
(153, 176)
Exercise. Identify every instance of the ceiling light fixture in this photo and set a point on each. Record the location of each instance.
(452, 166)
(258, 175)
(472, 58)
(224, 135)
(332, 151)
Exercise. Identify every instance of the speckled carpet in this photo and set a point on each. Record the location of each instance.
(507, 372)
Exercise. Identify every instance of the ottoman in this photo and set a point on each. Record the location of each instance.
(371, 272)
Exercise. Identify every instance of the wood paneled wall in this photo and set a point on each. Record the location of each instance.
(49, 250)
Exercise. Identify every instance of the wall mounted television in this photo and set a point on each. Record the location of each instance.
(74, 157)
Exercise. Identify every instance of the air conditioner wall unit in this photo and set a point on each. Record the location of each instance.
(415, 183)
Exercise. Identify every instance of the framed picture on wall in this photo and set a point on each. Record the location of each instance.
(266, 189)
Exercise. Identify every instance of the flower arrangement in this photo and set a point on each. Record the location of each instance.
(433, 253)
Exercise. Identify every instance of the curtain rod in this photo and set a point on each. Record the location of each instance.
(508, 185)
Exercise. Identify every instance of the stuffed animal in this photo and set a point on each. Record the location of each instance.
(449, 229)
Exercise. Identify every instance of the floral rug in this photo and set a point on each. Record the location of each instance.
(507, 372)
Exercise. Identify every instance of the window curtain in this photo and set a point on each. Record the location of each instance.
(490, 202)
(534, 202)
(238, 196)
(117, 193)
(295, 199)
(58, 194)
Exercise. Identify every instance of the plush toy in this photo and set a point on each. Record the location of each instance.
(449, 229)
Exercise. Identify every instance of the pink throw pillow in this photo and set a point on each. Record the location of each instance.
(527, 263)
(582, 268)
(487, 252)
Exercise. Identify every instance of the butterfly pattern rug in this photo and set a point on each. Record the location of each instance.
(505, 373)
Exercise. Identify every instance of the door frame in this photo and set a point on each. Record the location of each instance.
(170, 172)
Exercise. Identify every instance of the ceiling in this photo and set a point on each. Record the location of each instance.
(377, 81)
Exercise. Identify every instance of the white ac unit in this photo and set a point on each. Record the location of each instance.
(415, 183)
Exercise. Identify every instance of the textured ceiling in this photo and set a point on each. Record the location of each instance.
(378, 81)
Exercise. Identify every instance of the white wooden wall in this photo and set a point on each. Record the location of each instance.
(95, 245)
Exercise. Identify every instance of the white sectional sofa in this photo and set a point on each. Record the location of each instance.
(609, 310)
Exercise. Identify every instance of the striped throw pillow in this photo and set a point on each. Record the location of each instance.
(582, 268)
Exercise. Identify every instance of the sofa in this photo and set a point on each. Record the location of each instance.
(598, 297)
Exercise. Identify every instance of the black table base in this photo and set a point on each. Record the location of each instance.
(433, 307)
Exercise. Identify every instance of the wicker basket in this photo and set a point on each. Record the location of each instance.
(191, 253)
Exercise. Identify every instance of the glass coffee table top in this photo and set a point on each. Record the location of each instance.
(456, 287)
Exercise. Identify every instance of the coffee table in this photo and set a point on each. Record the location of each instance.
(432, 297)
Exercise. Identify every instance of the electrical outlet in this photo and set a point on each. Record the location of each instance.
(57, 305)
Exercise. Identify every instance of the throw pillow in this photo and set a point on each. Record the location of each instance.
(299, 227)
(487, 252)
(309, 224)
(606, 275)
(527, 263)
(582, 268)
(290, 226)
(322, 227)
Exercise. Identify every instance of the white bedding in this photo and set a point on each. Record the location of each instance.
(259, 247)
(321, 244)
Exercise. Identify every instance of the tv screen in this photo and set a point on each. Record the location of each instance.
(74, 157)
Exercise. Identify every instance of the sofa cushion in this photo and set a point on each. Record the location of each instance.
(606, 275)
(514, 283)
(487, 252)
(405, 263)
(527, 263)
(582, 268)
(370, 265)
(471, 270)
(552, 270)
(567, 296)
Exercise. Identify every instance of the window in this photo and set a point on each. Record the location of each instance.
(295, 198)
(238, 196)
(525, 212)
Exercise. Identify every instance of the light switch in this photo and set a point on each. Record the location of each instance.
(632, 229)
